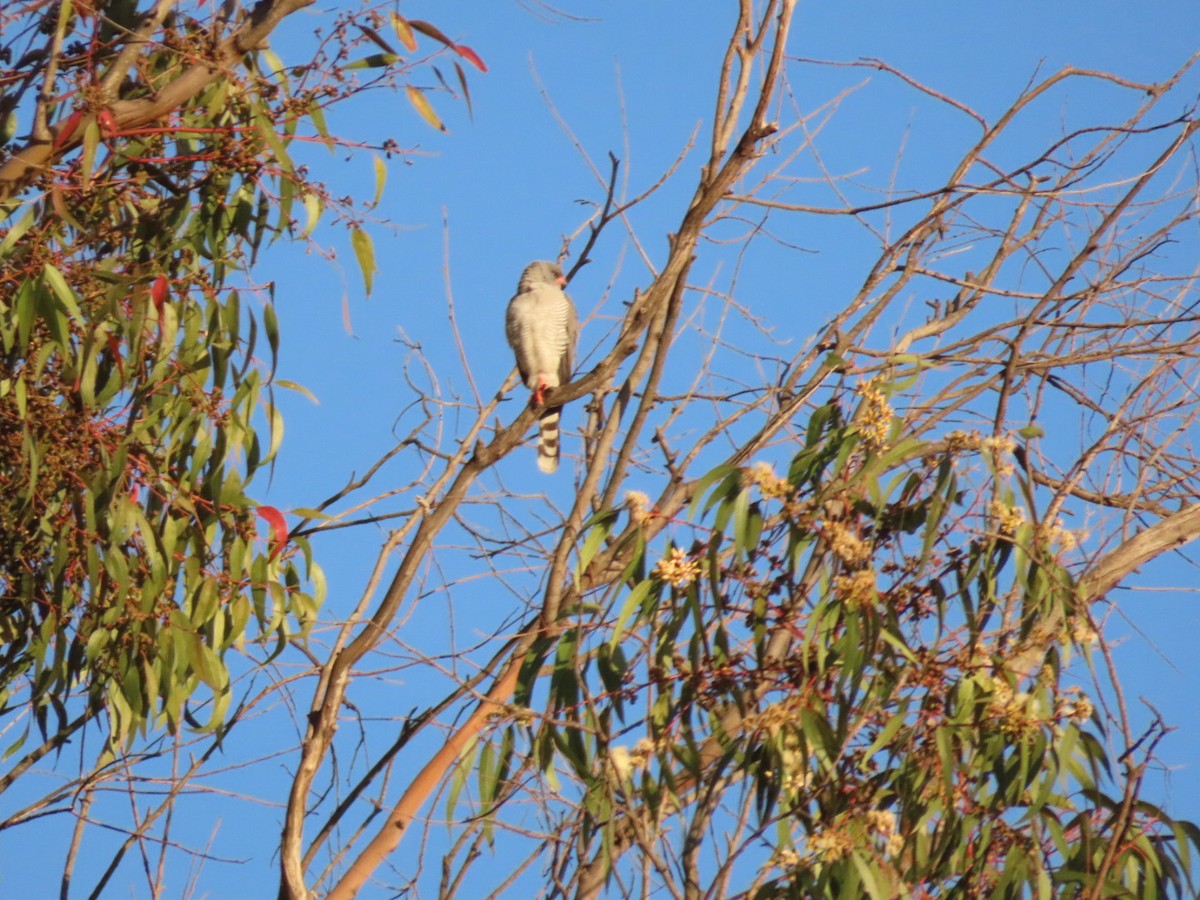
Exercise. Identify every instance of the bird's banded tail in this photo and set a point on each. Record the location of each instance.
(547, 448)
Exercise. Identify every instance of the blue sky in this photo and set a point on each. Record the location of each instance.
(637, 79)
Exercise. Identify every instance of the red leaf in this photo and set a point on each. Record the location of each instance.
(279, 529)
(470, 56)
(67, 129)
(159, 291)
(114, 347)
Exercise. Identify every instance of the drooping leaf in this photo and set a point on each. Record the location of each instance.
(278, 525)
(470, 56)
(417, 98)
(404, 32)
(380, 178)
(462, 84)
(66, 131)
(158, 293)
(377, 39)
(364, 252)
(430, 31)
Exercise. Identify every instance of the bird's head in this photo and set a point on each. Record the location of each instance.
(542, 272)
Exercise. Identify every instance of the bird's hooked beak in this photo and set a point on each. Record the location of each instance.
(561, 280)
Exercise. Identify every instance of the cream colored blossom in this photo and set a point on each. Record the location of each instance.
(856, 590)
(772, 486)
(1075, 706)
(1083, 710)
(849, 546)
(1007, 518)
(786, 858)
(1082, 632)
(1000, 448)
(997, 444)
(641, 753)
(1010, 711)
(1063, 537)
(830, 844)
(677, 569)
(957, 441)
(638, 505)
(875, 415)
(618, 756)
(883, 825)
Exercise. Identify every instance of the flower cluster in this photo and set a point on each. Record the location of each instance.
(856, 590)
(831, 844)
(772, 486)
(677, 569)
(852, 549)
(1000, 448)
(786, 858)
(958, 441)
(875, 416)
(1006, 517)
(998, 445)
(1074, 706)
(625, 760)
(1010, 711)
(1056, 535)
(882, 824)
(1082, 632)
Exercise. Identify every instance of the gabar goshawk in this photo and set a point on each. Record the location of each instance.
(542, 328)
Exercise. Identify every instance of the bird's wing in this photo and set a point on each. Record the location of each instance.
(567, 364)
(518, 310)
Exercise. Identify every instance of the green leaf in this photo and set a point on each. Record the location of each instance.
(17, 231)
(380, 178)
(375, 61)
(300, 389)
(63, 291)
(271, 327)
(458, 781)
(312, 213)
(275, 68)
(266, 129)
(594, 540)
(275, 420)
(635, 599)
(863, 864)
(364, 251)
(87, 161)
(885, 736)
(8, 126)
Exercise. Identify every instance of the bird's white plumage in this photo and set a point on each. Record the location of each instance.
(542, 328)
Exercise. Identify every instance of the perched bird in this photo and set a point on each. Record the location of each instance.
(542, 328)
